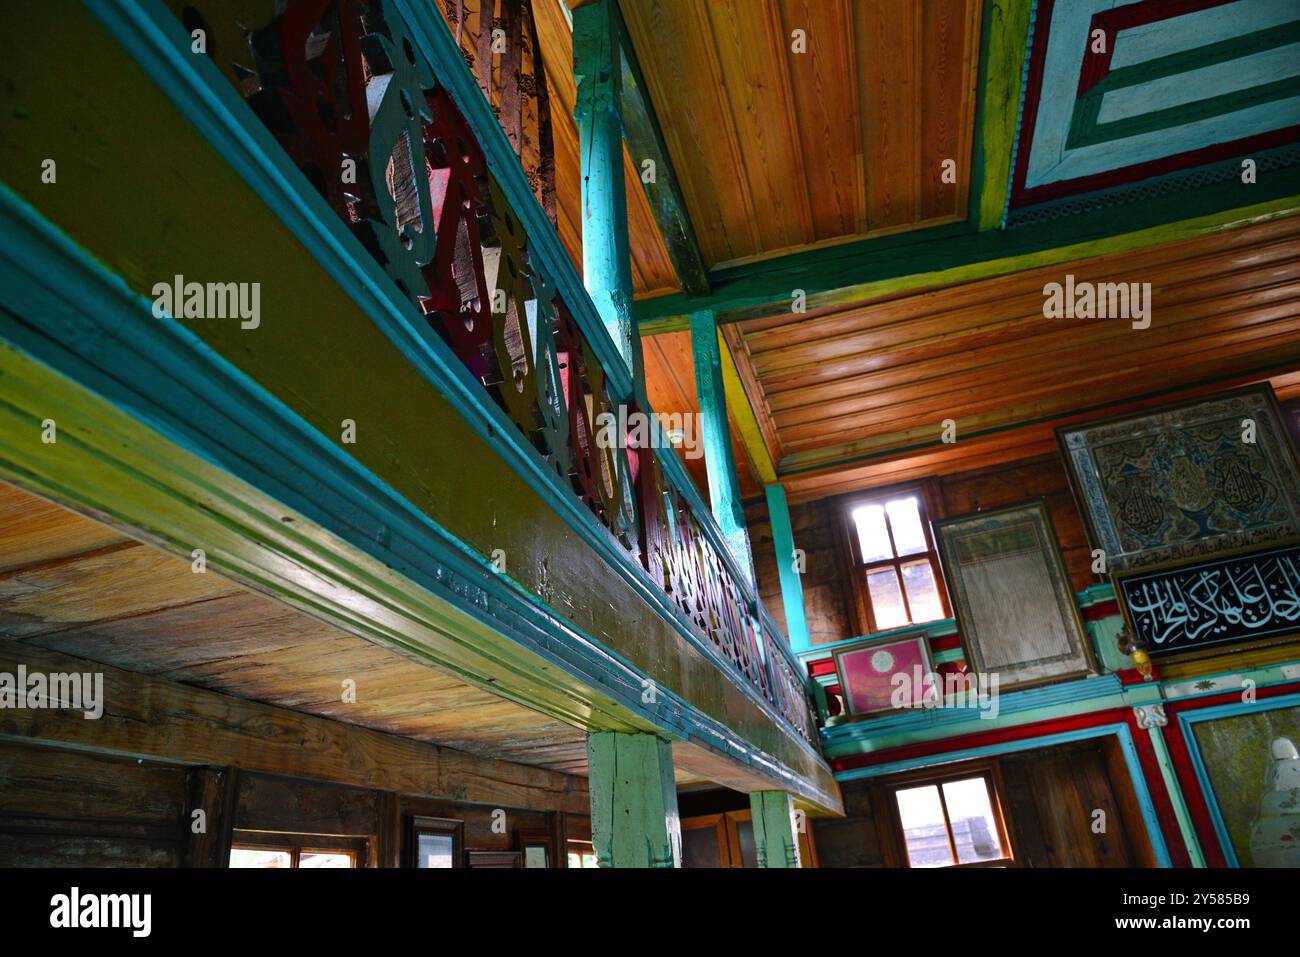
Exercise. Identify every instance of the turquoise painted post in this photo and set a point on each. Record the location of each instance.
(776, 832)
(790, 569)
(724, 489)
(634, 820)
(606, 259)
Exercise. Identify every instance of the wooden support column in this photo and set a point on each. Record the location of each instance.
(634, 821)
(209, 818)
(796, 622)
(724, 489)
(606, 258)
(776, 836)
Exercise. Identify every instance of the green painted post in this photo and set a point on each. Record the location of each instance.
(724, 489)
(789, 567)
(634, 821)
(606, 259)
(776, 832)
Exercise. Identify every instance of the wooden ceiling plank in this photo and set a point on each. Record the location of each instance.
(757, 434)
(645, 141)
(1266, 241)
(893, 385)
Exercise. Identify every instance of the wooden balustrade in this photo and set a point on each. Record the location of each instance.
(343, 88)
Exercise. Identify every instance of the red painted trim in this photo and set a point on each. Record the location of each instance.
(1113, 21)
(945, 642)
(1103, 609)
(1131, 676)
(1180, 755)
(821, 666)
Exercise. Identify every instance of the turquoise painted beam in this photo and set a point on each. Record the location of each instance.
(724, 489)
(634, 819)
(787, 567)
(776, 836)
(606, 257)
(645, 141)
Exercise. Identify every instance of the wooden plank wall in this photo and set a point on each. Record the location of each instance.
(826, 587)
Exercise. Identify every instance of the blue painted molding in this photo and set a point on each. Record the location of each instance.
(164, 376)
(1186, 723)
(154, 37)
(1121, 731)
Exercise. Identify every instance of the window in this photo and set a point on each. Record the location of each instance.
(582, 854)
(435, 842)
(896, 578)
(951, 822)
(266, 849)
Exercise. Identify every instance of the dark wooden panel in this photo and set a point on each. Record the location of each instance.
(62, 808)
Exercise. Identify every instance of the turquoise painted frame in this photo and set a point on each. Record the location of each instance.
(1121, 731)
(153, 36)
(1186, 721)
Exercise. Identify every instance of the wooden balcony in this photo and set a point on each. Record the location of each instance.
(398, 435)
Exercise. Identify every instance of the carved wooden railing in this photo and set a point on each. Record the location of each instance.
(343, 88)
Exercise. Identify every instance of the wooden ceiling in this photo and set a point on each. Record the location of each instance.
(777, 150)
(74, 586)
(858, 396)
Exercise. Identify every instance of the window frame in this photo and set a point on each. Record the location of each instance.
(991, 772)
(417, 824)
(860, 607)
(295, 845)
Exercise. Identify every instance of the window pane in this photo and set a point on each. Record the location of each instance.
(922, 592)
(254, 857)
(434, 850)
(905, 522)
(324, 859)
(973, 829)
(873, 536)
(589, 860)
(886, 599)
(923, 828)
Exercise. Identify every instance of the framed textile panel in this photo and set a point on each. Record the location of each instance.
(1012, 596)
(866, 670)
(1185, 481)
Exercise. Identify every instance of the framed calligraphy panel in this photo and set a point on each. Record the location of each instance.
(1015, 607)
(1185, 481)
(1249, 598)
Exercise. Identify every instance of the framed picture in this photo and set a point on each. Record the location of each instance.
(866, 670)
(1014, 604)
(1185, 481)
(1246, 598)
(537, 848)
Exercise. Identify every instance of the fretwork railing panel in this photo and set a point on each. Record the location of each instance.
(343, 88)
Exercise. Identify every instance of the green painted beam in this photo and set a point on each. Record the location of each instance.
(724, 489)
(945, 255)
(645, 141)
(634, 819)
(776, 836)
(1167, 773)
(1005, 44)
(606, 258)
(796, 621)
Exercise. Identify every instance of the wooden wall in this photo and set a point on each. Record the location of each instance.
(825, 583)
(63, 808)
(1048, 796)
